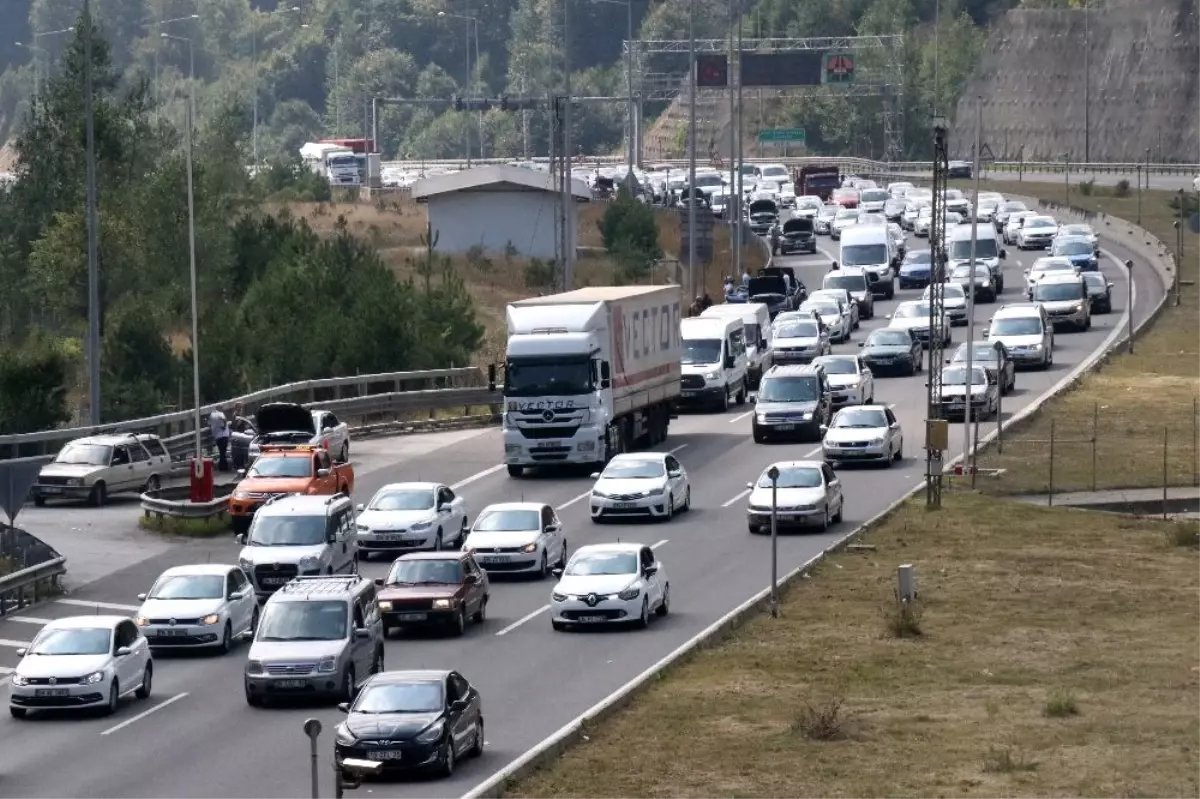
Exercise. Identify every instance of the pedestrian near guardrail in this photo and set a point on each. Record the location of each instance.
(218, 425)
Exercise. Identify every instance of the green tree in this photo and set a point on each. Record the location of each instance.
(33, 378)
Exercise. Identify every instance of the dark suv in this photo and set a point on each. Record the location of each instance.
(793, 401)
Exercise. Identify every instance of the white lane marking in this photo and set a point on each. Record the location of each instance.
(524, 619)
(742, 494)
(588, 493)
(144, 713)
(12, 643)
(659, 544)
(87, 603)
(740, 416)
(26, 619)
(6, 670)
(477, 476)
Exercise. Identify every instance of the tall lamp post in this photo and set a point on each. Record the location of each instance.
(40, 74)
(630, 121)
(472, 24)
(192, 241)
(337, 80)
(254, 58)
(157, 81)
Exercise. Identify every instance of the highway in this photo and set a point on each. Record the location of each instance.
(196, 737)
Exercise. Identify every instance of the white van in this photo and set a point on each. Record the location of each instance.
(756, 318)
(871, 249)
(714, 362)
(987, 250)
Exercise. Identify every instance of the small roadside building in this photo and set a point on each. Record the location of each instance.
(497, 208)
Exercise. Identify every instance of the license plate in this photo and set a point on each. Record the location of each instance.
(592, 618)
(274, 580)
(412, 616)
(624, 505)
(689, 393)
(785, 427)
(493, 560)
(548, 445)
(290, 683)
(389, 537)
(51, 692)
(53, 490)
(170, 633)
(788, 517)
(383, 755)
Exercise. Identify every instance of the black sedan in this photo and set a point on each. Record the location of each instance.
(1099, 289)
(411, 721)
(993, 356)
(892, 350)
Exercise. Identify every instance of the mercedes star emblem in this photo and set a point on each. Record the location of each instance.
(547, 416)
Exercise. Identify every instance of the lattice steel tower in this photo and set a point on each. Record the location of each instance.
(937, 308)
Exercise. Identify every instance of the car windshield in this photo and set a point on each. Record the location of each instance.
(889, 338)
(796, 330)
(633, 470)
(413, 697)
(964, 271)
(1072, 248)
(981, 352)
(406, 499)
(840, 365)
(752, 333)
(788, 389)
(72, 641)
(912, 310)
(802, 205)
(425, 572)
(1076, 230)
(874, 196)
(698, 352)
(1095, 279)
(953, 194)
(1017, 326)
(851, 283)
(281, 466)
(319, 620)
(794, 477)
(287, 531)
(1058, 292)
(847, 213)
(864, 254)
(1051, 266)
(984, 248)
(595, 563)
(860, 417)
(918, 257)
(1038, 222)
(957, 376)
(548, 377)
(507, 521)
(1012, 207)
(949, 290)
(85, 454)
(189, 586)
(822, 308)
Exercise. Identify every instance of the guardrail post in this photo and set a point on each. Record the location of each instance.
(1050, 491)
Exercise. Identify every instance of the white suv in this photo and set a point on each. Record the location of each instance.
(1025, 329)
(299, 535)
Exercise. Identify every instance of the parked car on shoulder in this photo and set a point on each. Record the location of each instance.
(94, 467)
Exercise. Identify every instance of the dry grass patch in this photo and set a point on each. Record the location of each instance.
(1025, 609)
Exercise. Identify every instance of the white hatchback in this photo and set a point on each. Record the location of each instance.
(201, 606)
(605, 584)
(652, 484)
(518, 537)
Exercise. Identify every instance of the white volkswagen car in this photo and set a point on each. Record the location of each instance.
(403, 517)
(619, 583)
(81, 662)
(866, 433)
(1037, 233)
(201, 606)
(652, 484)
(807, 494)
(518, 537)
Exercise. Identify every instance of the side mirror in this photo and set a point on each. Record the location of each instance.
(1026, 273)
(240, 472)
(862, 344)
(240, 538)
(1003, 255)
(947, 360)
(650, 571)
(21, 652)
(675, 474)
(491, 374)
(749, 485)
(322, 472)
(344, 707)
(359, 508)
(234, 596)
(557, 572)
(124, 652)
(379, 581)
(754, 400)
(595, 475)
(824, 429)
(471, 579)
(889, 316)
(1110, 284)
(247, 635)
(926, 384)
(729, 362)
(141, 597)
(362, 632)
(605, 372)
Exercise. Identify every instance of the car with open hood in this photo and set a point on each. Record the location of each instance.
(282, 424)
(889, 350)
(763, 216)
(771, 291)
(793, 402)
(803, 494)
(94, 467)
(798, 235)
(443, 589)
(862, 434)
(984, 392)
(518, 538)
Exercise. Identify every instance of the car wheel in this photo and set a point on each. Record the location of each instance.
(480, 615)
(153, 484)
(558, 626)
(643, 621)
(344, 457)
(825, 520)
(227, 639)
(837, 517)
(113, 698)
(562, 558)
(687, 499)
(477, 739)
(664, 607)
(143, 691)
(99, 495)
(899, 456)
(515, 471)
(670, 514)
(377, 666)
(438, 544)
(446, 766)
(348, 685)
(743, 392)
(253, 700)
(759, 438)
(254, 620)
(543, 566)
(458, 627)
(38, 502)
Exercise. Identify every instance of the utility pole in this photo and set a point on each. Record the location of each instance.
(968, 455)
(934, 441)
(1087, 82)
(93, 225)
(741, 155)
(729, 206)
(568, 198)
(692, 147)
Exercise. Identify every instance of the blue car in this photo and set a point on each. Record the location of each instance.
(915, 269)
(1079, 251)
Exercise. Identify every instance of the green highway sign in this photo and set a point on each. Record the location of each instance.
(789, 135)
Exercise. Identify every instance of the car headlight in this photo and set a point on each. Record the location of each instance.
(530, 548)
(711, 375)
(420, 526)
(362, 528)
(17, 679)
(327, 665)
(877, 441)
(442, 604)
(75, 481)
(655, 492)
(432, 734)
(600, 494)
(93, 678)
(344, 736)
(808, 417)
(758, 509)
(240, 495)
(309, 563)
(141, 621)
(1078, 307)
(557, 597)
(210, 619)
(254, 667)
(633, 592)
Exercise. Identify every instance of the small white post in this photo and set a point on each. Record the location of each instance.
(906, 578)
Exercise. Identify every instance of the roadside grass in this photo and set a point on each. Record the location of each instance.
(186, 528)
(1057, 657)
(1118, 416)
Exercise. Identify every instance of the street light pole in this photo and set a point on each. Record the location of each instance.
(192, 243)
(37, 65)
(968, 458)
(692, 147)
(93, 225)
(467, 81)
(773, 473)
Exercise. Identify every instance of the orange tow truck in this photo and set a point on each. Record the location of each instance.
(286, 470)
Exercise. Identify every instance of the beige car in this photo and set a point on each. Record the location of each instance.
(92, 468)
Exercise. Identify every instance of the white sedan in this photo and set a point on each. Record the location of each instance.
(850, 381)
(836, 318)
(914, 317)
(1045, 266)
(650, 484)
(806, 493)
(518, 537)
(81, 662)
(865, 433)
(604, 584)
(403, 517)
(201, 606)
(1037, 233)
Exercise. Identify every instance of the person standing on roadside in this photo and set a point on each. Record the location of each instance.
(218, 426)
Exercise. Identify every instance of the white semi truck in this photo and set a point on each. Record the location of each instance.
(589, 374)
(336, 163)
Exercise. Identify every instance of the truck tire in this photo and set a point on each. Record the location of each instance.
(515, 471)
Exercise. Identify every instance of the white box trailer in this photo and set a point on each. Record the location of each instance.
(590, 373)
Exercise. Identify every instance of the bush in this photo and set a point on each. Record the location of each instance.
(540, 274)
(188, 528)
(33, 380)
(1122, 188)
(1184, 534)
(902, 618)
(1087, 187)
(628, 226)
(823, 722)
(1005, 760)
(1060, 704)
(292, 180)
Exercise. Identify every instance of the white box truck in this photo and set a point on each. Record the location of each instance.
(589, 374)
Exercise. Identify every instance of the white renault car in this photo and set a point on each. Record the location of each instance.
(604, 584)
(518, 537)
(81, 662)
(201, 606)
(865, 433)
(850, 381)
(402, 517)
(652, 484)
(807, 494)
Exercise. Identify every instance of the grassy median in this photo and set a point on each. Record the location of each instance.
(1050, 652)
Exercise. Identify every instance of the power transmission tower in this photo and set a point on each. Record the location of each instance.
(936, 433)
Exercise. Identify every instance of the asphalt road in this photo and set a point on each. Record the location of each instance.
(196, 737)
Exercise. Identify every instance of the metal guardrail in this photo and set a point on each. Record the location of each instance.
(31, 583)
(175, 503)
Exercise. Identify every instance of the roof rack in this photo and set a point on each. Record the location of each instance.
(321, 584)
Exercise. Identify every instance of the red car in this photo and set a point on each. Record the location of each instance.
(847, 198)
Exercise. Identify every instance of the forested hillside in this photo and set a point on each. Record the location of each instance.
(313, 64)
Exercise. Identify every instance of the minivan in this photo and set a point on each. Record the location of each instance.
(714, 362)
(1065, 298)
(793, 401)
(870, 248)
(756, 320)
(987, 250)
(1025, 330)
(299, 535)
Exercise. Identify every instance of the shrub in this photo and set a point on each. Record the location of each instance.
(33, 378)
(1122, 188)
(1087, 187)
(1005, 760)
(1184, 534)
(902, 617)
(823, 722)
(1060, 704)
